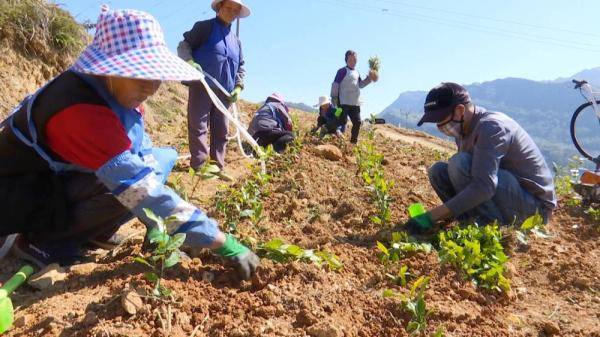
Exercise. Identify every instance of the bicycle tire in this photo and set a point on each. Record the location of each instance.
(578, 146)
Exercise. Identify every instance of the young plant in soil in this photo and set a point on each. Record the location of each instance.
(533, 225)
(280, 252)
(370, 166)
(414, 304)
(166, 253)
(208, 171)
(245, 202)
(178, 187)
(401, 245)
(594, 214)
(401, 277)
(478, 253)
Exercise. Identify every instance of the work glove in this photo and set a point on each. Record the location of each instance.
(419, 225)
(235, 94)
(242, 258)
(338, 112)
(195, 65)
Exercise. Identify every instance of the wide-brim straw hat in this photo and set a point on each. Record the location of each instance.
(244, 12)
(322, 101)
(130, 44)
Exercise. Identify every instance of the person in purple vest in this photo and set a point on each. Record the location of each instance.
(76, 163)
(213, 47)
(345, 93)
(272, 124)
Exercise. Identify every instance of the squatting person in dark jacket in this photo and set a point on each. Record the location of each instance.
(328, 119)
(213, 47)
(499, 173)
(76, 163)
(272, 124)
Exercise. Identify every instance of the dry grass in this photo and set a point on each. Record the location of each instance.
(39, 28)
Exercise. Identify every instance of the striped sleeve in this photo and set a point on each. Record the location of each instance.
(137, 185)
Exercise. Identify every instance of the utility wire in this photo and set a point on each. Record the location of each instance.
(519, 23)
(447, 21)
(464, 25)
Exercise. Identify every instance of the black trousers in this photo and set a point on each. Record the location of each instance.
(321, 121)
(92, 212)
(353, 112)
(278, 138)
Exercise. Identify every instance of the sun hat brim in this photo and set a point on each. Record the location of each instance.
(152, 63)
(244, 12)
(320, 104)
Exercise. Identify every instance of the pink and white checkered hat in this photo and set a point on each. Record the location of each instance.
(277, 97)
(130, 43)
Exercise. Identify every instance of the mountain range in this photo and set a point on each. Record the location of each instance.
(543, 108)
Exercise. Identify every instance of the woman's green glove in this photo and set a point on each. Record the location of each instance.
(195, 65)
(232, 247)
(242, 258)
(235, 94)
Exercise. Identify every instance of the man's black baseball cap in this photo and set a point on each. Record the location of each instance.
(442, 100)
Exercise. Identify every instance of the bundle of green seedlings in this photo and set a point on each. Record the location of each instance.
(165, 255)
(478, 253)
(374, 65)
(280, 252)
(370, 166)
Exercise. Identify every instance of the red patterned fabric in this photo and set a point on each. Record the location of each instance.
(87, 135)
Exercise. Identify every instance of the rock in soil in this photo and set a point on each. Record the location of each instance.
(47, 277)
(329, 152)
(324, 330)
(83, 269)
(306, 318)
(551, 328)
(22, 321)
(91, 318)
(131, 302)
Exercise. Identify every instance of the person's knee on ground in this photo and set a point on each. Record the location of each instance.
(280, 145)
(437, 174)
(459, 170)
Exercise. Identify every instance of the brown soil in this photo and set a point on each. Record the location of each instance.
(318, 203)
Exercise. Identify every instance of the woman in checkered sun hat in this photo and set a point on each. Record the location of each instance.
(77, 164)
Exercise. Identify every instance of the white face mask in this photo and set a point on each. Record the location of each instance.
(452, 128)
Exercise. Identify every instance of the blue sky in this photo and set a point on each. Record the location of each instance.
(295, 47)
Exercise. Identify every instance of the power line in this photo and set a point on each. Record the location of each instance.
(468, 25)
(524, 24)
(464, 25)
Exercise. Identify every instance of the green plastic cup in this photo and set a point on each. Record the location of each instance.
(415, 210)
(6, 307)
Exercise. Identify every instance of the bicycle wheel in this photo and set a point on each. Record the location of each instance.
(585, 131)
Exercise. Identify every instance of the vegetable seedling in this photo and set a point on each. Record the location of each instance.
(166, 253)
